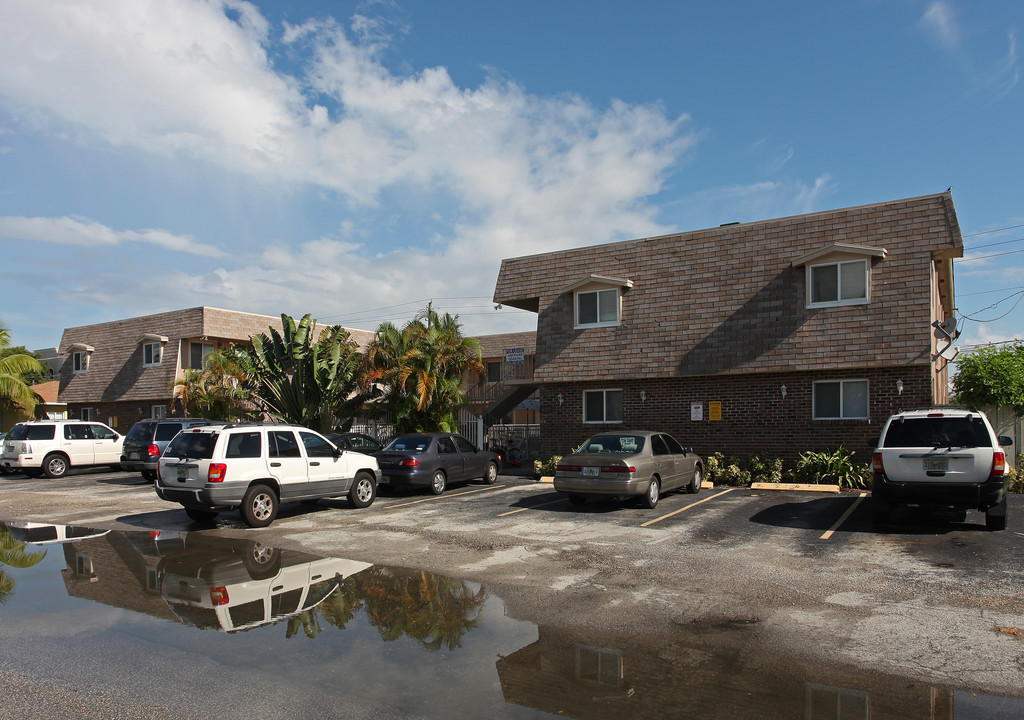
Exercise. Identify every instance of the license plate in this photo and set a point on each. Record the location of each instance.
(590, 471)
(133, 456)
(941, 464)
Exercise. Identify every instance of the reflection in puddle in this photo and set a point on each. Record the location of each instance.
(379, 641)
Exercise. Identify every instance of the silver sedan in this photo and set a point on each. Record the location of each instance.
(626, 464)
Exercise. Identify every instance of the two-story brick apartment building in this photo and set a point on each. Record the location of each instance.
(122, 371)
(782, 335)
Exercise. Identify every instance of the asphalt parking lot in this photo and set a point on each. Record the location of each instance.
(806, 572)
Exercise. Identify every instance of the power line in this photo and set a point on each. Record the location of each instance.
(1001, 242)
(1019, 296)
(989, 232)
(983, 257)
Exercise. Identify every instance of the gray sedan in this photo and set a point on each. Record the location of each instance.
(625, 464)
(435, 460)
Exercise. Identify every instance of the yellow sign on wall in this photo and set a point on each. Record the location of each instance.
(714, 410)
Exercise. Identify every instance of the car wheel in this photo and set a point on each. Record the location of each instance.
(577, 500)
(363, 490)
(653, 494)
(438, 482)
(698, 477)
(198, 515)
(995, 517)
(491, 475)
(259, 506)
(55, 465)
(261, 561)
(6, 471)
(149, 475)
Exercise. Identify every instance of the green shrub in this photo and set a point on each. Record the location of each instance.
(765, 468)
(833, 467)
(732, 473)
(1016, 477)
(546, 468)
(712, 466)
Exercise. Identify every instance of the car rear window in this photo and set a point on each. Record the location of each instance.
(166, 430)
(197, 446)
(32, 432)
(409, 444)
(621, 444)
(937, 432)
(140, 432)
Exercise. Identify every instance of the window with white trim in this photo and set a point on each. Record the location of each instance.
(838, 283)
(151, 353)
(840, 400)
(80, 361)
(158, 412)
(597, 308)
(602, 406)
(86, 414)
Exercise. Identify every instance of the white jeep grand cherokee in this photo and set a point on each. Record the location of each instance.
(945, 458)
(255, 467)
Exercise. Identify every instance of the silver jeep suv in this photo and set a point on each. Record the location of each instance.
(941, 458)
(255, 467)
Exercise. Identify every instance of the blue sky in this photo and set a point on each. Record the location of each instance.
(356, 160)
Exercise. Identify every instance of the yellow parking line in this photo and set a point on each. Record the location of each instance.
(686, 507)
(533, 507)
(842, 519)
(446, 495)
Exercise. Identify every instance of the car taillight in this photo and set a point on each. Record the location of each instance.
(217, 472)
(153, 451)
(876, 464)
(998, 463)
(219, 595)
(618, 469)
(409, 462)
(567, 468)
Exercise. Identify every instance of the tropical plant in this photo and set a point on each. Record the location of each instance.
(295, 378)
(217, 391)
(13, 554)
(546, 468)
(15, 391)
(832, 467)
(765, 468)
(416, 373)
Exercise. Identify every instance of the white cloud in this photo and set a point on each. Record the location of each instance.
(940, 24)
(89, 233)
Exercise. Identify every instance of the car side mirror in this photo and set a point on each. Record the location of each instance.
(1005, 441)
(687, 450)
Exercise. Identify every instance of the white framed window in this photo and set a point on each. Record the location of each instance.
(158, 412)
(602, 406)
(80, 361)
(197, 354)
(838, 283)
(86, 414)
(597, 308)
(151, 353)
(840, 400)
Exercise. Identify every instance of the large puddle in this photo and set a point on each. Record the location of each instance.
(200, 625)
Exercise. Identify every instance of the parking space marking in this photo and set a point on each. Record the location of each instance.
(686, 507)
(534, 507)
(842, 518)
(442, 497)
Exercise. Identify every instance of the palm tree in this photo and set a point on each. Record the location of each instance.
(419, 370)
(216, 392)
(14, 391)
(14, 554)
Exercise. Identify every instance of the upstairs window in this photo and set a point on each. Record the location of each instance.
(198, 353)
(151, 353)
(80, 361)
(597, 308)
(839, 283)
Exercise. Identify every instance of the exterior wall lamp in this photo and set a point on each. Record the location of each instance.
(560, 399)
(783, 391)
(643, 396)
(899, 387)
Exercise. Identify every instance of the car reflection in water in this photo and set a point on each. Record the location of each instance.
(47, 534)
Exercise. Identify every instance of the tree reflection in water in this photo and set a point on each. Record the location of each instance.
(13, 554)
(434, 610)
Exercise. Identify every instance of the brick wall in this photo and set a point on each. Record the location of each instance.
(755, 416)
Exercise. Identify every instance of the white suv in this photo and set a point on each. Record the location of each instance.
(255, 467)
(943, 457)
(55, 446)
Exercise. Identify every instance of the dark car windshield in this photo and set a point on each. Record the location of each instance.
(624, 444)
(967, 432)
(409, 444)
(31, 432)
(197, 446)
